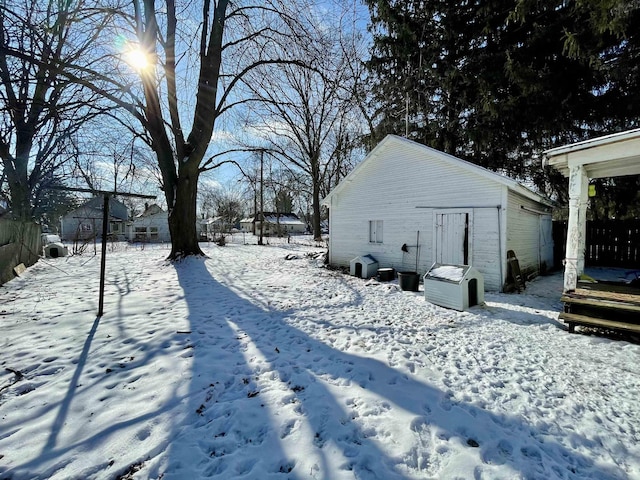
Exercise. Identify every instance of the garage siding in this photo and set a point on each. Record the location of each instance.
(406, 184)
(527, 235)
(403, 187)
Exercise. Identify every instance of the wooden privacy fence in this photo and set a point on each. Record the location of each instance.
(609, 243)
(20, 242)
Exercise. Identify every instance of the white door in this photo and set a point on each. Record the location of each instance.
(452, 238)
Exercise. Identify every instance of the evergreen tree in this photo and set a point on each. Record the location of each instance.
(497, 81)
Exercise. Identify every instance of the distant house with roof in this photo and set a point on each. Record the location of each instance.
(275, 224)
(210, 228)
(85, 222)
(246, 224)
(152, 225)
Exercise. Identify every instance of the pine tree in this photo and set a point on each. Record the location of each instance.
(497, 81)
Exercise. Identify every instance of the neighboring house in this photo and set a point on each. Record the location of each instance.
(274, 224)
(246, 224)
(152, 225)
(85, 222)
(209, 228)
(410, 206)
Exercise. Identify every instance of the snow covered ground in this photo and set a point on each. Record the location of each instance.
(248, 365)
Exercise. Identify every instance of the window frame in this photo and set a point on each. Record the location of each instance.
(376, 232)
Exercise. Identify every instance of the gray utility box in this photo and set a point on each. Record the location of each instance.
(364, 266)
(454, 286)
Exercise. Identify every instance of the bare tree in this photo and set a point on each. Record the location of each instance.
(40, 108)
(223, 202)
(309, 116)
(106, 158)
(199, 60)
(229, 208)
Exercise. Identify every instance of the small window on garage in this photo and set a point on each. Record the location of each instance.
(375, 231)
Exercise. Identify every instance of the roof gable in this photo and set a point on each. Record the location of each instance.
(152, 209)
(282, 218)
(212, 220)
(117, 209)
(393, 141)
(609, 156)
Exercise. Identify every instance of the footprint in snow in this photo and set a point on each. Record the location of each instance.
(288, 428)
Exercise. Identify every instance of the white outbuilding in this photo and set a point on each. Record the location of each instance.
(410, 206)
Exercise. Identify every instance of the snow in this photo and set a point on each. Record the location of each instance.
(452, 273)
(248, 365)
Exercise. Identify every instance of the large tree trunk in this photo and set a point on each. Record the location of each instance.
(20, 198)
(182, 215)
(18, 181)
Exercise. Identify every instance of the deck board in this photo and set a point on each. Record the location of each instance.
(589, 301)
(603, 305)
(607, 291)
(586, 321)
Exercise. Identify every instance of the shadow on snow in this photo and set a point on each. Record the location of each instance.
(302, 377)
(259, 384)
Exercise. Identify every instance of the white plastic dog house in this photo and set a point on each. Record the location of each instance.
(55, 250)
(364, 266)
(454, 286)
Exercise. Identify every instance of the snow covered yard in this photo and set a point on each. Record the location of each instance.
(248, 365)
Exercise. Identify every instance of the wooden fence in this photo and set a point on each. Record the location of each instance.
(19, 243)
(609, 243)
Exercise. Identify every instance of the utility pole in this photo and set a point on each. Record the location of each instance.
(255, 206)
(260, 241)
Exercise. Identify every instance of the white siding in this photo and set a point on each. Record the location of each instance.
(82, 223)
(486, 245)
(546, 243)
(158, 221)
(403, 187)
(529, 234)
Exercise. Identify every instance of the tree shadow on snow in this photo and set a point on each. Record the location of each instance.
(248, 357)
(518, 317)
(63, 411)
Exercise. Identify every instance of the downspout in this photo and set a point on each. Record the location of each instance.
(502, 279)
(417, 249)
(330, 224)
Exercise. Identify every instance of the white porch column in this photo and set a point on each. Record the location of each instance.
(577, 227)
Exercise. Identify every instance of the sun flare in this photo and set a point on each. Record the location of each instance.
(138, 59)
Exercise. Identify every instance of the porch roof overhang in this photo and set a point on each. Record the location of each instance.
(609, 156)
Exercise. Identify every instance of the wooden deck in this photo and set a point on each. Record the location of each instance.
(603, 305)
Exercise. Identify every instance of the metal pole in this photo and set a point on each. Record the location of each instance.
(105, 224)
(103, 260)
(260, 241)
(255, 206)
